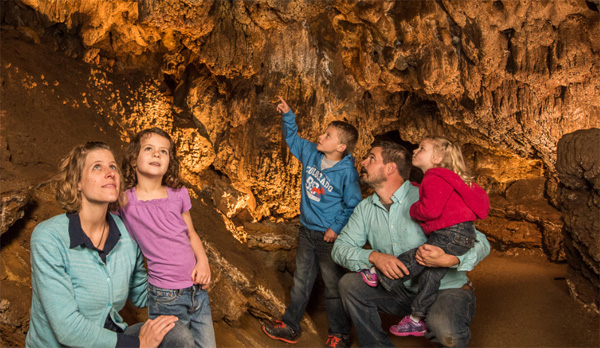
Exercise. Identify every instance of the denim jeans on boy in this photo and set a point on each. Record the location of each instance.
(190, 305)
(454, 240)
(447, 322)
(313, 254)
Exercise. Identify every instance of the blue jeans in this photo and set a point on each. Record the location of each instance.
(314, 253)
(190, 305)
(454, 240)
(447, 322)
(179, 336)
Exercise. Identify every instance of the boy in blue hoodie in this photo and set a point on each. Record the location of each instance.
(330, 191)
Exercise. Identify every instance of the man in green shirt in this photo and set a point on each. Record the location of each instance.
(383, 220)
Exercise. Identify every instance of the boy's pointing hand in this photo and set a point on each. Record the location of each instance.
(282, 108)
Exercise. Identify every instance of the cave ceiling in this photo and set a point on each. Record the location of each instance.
(505, 79)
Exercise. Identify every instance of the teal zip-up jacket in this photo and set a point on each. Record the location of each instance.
(393, 233)
(74, 291)
(329, 195)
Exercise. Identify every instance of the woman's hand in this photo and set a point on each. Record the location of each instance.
(201, 274)
(154, 330)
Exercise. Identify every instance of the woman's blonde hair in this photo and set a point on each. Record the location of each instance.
(452, 157)
(69, 175)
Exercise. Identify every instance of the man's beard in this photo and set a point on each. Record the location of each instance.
(374, 180)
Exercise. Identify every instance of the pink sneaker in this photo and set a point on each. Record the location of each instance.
(407, 327)
(369, 276)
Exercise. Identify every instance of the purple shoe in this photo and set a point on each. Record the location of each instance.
(407, 327)
(369, 278)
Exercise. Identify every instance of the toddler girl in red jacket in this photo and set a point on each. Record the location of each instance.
(449, 202)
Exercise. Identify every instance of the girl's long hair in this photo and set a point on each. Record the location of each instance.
(452, 158)
(69, 175)
(170, 179)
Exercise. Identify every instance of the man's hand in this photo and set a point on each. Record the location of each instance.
(330, 236)
(388, 265)
(282, 107)
(432, 256)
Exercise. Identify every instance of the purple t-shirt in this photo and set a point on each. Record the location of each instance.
(158, 227)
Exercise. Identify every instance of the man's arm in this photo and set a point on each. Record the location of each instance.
(348, 249)
(432, 256)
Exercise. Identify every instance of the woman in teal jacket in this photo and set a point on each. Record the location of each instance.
(85, 265)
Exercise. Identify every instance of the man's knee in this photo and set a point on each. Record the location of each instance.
(346, 284)
(448, 329)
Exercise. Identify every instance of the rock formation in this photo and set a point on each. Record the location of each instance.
(505, 79)
(578, 168)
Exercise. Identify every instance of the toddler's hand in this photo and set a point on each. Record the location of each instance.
(282, 108)
(330, 236)
(201, 274)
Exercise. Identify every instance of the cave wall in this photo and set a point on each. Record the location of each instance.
(505, 79)
(578, 168)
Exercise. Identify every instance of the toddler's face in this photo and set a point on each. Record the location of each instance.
(329, 141)
(153, 159)
(423, 156)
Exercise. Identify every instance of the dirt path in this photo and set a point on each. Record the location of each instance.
(522, 301)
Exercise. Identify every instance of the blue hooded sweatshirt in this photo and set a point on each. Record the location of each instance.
(328, 196)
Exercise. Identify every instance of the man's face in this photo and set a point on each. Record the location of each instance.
(372, 169)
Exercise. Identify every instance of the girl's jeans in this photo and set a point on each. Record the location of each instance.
(454, 240)
(190, 305)
(313, 254)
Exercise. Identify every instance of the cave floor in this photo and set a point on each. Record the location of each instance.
(522, 301)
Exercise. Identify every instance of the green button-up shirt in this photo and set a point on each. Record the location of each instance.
(394, 232)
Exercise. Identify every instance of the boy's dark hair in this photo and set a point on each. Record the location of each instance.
(170, 179)
(394, 152)
(348, 135)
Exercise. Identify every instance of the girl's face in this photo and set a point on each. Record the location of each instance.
(153, 159)
(100, 180)
(424, 156)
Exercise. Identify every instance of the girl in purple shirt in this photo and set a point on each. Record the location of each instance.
(157, 216)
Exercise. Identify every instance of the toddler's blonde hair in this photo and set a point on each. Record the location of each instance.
(452, 157)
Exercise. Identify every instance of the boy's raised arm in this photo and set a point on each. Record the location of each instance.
(282, 107)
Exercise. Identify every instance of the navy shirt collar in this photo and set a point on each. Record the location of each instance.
(79, 238)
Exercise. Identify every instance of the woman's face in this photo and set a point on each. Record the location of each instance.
(100, 180)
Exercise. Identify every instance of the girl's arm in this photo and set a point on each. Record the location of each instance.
(201, 272)
(433, 195)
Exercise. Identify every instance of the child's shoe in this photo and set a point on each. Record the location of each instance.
(281, 332)
(369, 276)
(407, 327)
(338, 341)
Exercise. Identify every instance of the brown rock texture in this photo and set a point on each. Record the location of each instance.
(505, 79)
(578, 168)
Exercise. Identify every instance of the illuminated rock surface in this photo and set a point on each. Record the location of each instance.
(505, 79)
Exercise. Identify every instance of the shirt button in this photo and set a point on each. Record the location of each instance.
(395, 244)
(108, 280)
(392, 226)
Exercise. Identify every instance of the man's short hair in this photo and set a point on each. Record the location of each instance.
(347, 134)
(394, 152)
